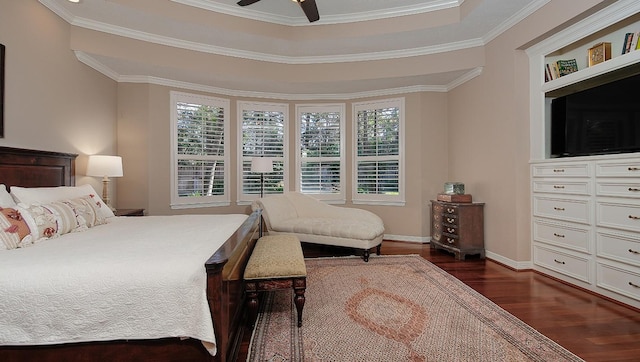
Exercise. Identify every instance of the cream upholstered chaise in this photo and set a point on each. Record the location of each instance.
(314, 221)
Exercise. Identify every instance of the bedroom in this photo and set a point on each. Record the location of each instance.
(477, 132)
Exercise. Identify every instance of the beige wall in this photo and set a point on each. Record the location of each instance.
(144, 142)
(489, 132)
(478, 133)
(52, 101)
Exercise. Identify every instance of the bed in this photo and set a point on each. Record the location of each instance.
(218, 315)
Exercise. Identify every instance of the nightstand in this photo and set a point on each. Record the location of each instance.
(129, 212)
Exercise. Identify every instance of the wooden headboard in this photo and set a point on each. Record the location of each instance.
(32, 168)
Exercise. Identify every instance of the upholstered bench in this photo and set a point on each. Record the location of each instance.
(276, 263)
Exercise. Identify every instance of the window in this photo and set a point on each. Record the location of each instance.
(320, 151)
(379, 142)
(199, 172)
(263, 133)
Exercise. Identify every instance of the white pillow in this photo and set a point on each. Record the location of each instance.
(5, 198)
(45, 195)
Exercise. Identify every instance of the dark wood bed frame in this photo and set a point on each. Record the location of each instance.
(30, 168)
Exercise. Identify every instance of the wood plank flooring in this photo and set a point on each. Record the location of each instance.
(589, 326)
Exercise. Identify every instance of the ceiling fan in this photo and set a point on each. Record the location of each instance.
(308, 6)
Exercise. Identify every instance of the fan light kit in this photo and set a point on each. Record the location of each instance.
(308, 6)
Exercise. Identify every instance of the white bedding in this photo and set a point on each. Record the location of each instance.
(133, 278)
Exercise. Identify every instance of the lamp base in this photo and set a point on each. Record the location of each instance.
(105, 193)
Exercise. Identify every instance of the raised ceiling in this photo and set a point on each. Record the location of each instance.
(357, 48)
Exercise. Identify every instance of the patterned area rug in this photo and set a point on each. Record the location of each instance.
(393, 308)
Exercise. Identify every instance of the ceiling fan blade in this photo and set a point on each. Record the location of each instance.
(310, 10)
(247, 2)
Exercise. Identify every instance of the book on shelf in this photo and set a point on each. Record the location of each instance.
(634, 42)
(626, 45)
(567, 66)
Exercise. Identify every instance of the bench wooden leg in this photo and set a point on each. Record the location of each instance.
(299, 287)
(252, 303)
(378, 249)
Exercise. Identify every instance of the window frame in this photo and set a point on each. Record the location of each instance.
(379, 199)
(340, 108)
(187, 202)
(241, 106)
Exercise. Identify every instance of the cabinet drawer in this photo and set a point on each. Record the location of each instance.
(620, 247)
(561, 170)
(562, 187)
(625, 168)
(449, 210)
(567, 236)
(451, 240)
(618, 189)
(451, 220)
(618, 280)
(562, 209)
(563, 263)
(619, 216)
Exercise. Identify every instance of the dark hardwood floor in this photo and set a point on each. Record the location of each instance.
(593, 328)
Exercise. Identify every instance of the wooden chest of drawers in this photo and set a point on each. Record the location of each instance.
(458, 228)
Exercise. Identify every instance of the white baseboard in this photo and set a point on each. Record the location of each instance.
(517, 265)
(409, 239)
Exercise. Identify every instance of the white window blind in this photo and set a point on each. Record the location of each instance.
(378, 165)
(199, 172)
(320, 166)
(263, 134)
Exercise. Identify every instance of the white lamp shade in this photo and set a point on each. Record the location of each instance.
(261, 164)
(101, 166)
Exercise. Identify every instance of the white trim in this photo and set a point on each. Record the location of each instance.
(323, 107)
(262, 106)
(378, 199)
(408, 238)
(517, 265)
(197, 201)
(248, 13)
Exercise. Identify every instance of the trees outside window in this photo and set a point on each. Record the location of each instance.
(378, 164)
(199, 174)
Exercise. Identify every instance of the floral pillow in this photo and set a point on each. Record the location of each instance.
(14, 231)
(57, 218)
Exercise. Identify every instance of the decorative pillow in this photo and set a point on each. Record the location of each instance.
(49, 220)
(5, 198)
(87, 211)
(14, 231)
(44, 195)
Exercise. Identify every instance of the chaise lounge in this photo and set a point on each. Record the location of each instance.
(314, 221)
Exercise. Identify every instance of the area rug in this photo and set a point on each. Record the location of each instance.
(393, 308)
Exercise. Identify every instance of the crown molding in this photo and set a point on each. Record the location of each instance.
(249, 13)
(514, 19)
(93, 63)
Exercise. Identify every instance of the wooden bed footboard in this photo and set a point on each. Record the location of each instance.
(225, 290)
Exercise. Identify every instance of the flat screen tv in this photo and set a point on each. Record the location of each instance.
(601, 120)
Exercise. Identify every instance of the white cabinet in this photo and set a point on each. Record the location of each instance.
(586, 223)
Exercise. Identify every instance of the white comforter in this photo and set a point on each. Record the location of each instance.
(133, 278)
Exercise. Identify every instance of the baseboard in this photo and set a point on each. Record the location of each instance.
(409, 239)
(515, 265)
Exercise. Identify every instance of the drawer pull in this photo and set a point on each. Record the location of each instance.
(558, 208)
(558, 170)
(634, 169)
(634, 251)
(558, 186)
(559, 262)
(634, 285)
(558, 235)
(634, 217)
(450, 220)
(450, 230)
(450, 240)
(634, 189)
(450, 211)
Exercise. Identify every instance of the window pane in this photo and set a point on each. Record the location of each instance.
(200, 178)
(378, 132)
(320, 177)
(273, 181)
(262, 133)
(320, 134)
(200, 130)
(378, 177)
